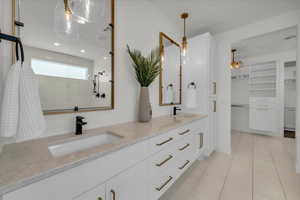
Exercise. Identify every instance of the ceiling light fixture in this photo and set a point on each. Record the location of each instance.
(184, 44)
(234, 64)
(56, 44)
(82, 51)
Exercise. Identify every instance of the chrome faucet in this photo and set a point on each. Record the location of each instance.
(175, 109)
(79, 124)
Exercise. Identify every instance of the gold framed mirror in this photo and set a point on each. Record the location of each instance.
(70, 46)
(170, 81)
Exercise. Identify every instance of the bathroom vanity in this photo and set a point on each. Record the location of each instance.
(132, 161)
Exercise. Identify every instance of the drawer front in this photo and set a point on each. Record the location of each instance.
(186, 154)
(160, 185)
(97, 193)
(163, 161)
(158, 143)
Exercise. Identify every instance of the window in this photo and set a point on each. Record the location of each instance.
(50, 68)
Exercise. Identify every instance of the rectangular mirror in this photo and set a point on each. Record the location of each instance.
(70, 46)
(171, 71)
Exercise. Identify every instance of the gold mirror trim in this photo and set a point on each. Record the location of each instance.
(163, 36)
(66, 111)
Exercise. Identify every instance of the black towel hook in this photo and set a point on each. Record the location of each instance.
(18, 42)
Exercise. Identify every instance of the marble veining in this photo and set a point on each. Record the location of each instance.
(30, 161)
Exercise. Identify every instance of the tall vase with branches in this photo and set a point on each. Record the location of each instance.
(146, 68)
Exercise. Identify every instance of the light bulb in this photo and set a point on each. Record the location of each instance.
(184, 52)
(68, 16)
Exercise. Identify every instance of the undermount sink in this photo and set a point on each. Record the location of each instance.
(80, 144)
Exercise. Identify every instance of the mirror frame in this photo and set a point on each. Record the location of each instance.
(112, 52)
(163, 36)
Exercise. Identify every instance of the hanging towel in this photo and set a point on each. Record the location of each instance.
(31, 120)
(191, 98)
(169, 95)
(10, 102)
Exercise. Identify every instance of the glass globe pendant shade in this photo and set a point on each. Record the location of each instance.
(65, 26)
(87, 11)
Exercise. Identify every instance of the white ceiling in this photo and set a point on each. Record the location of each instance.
(221, 15)
(270, 43)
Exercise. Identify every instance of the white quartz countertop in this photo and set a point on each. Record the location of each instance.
(28, 162)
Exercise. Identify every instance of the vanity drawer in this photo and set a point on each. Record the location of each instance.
(186, 154)
(158, 186)
(166, 140)
(162, 161)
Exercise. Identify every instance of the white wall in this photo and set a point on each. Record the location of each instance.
(138, 24)
(224, 41)
(298, 101)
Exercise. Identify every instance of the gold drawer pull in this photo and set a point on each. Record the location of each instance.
(215, 106)
(113, 194)
(184, 132)
(185, 164)
(201, 140)
(185, 146)
(166, 183)
(215, 88)
(163, 162)
(164, 142)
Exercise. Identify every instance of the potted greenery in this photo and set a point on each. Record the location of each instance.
(146, 70)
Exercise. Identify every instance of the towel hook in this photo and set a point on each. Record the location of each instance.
(192, 84)
(170, 86)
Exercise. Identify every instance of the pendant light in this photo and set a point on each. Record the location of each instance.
(234, 64)
(68, 11)
(65, 27)
(184, 44)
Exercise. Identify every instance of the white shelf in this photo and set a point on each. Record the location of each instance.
(262, 82)
(263, 76)
(263, 89)
(263, 70)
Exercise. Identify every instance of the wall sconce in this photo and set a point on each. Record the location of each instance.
(234, 64)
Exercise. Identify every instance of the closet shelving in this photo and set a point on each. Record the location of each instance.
(262, 79)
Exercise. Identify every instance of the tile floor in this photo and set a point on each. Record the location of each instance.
(260, 168)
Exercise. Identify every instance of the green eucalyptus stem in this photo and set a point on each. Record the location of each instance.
(146, 68)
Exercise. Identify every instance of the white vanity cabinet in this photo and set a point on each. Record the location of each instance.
(129, 185)
(142, 171)
(98, 193)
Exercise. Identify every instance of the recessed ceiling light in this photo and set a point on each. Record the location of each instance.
(56, 44)
(82, 51)
(105, 58)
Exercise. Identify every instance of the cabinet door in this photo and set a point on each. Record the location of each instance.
(97, 193)
(132, 184)
(263, 115)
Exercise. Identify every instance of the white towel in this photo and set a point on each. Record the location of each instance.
(31, 120)
(169, 95)
(191, 98)
(10, 103)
